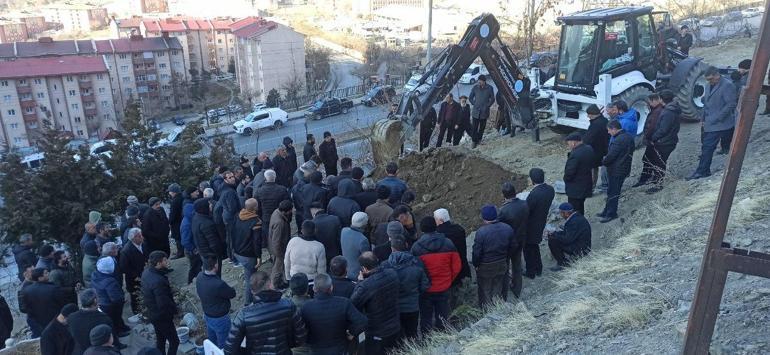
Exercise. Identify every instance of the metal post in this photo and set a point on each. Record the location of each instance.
(430, 31)
(713, 274)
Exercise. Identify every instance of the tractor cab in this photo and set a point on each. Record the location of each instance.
(613, 41)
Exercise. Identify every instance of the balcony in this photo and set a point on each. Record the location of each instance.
(85, 84)
(28, 103)
(26, 99)
(88, 97)
(23, 89)
(29, 116)
(91, 111)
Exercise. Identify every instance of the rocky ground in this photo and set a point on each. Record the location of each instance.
(633, 293)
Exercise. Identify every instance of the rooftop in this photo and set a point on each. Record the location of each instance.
(82, 47)
(53, 66)
(255, 27)
(72, 6)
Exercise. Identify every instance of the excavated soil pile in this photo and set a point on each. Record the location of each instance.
(456, 179)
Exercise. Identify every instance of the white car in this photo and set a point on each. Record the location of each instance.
(171, 138)
(752, 12)
(259, 106)
(711, 21)
(267, 118)
(471, 76)
(411, 85)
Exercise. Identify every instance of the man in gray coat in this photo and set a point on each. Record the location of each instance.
(482, 97)
(718, 121)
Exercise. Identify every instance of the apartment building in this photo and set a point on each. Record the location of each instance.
(268, 56)
(34, 24)
(13, 31)
(76, 17)
(149, 6)
(368, 7)
(68, 93)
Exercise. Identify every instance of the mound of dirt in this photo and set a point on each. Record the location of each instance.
(456, 179)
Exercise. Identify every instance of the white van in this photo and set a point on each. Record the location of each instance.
(471, 76)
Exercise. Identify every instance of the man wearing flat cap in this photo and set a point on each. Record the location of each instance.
(578, 179)
(573, 241)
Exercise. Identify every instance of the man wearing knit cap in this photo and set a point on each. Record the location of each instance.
(573, 241)
(175, 217)
(101, 341)
(56, 339)
(134, 201)
(393, 229)
(494, 244)
(291, 153)
(327, 151)
(308, 152)
(109, 293)
(94, 217)
(442, 262)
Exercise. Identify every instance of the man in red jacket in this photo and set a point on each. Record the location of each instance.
(442, 263)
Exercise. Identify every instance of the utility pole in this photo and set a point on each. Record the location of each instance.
(430, 30)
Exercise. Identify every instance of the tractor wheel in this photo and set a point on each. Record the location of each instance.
(636, 97)
(691, 93)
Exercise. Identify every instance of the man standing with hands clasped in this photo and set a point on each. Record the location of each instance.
(482, 97)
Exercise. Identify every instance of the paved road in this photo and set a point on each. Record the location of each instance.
(341, 74)
(729, 28)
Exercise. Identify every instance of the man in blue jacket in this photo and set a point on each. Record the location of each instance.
(573, 241)
(628, 117)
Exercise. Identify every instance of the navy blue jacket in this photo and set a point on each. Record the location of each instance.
(494, 242)
(215, 295)
(108, 290)
(397, 188)
(328, 319)
(576, 235)
(620, 155)
(412, 279)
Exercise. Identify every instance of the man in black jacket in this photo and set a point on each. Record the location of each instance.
(578, 180)
(43, 300)
(6, 322)
(133, 258)
(684, 40)
(205, 233)
(308, 152)
(338, 270)
(343, 206)
(426, 128)
(312, 193)
(447, 116)
(56, 338)
(457, 234)
(539, 202)
(373, 296)
(155, 227)
(215, 295)
(89, 316)
(270, 325)
(24, 254)
(159, 301)
(514, 212)
(291, 153)
(228, 197)
(330, 319)
(327, 231)
(412, 281)
(597, 137)
(618, 162)
(463, 121)
(327, 151)
(269, 195)
(247, 248)
(574, 240)
(175, 217)
(663, 139)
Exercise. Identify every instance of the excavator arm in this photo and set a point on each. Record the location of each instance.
(443, 73)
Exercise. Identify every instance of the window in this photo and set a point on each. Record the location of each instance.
(38, 81)
(101, 90)
(14, 125)
(75, 106)
(162, 65)
(126, 79)
(55, 87)
(29, 110)
(646, 36)
(60, 115)
(6, 98)
(174, 52)
(160, 54)
(616, 49)
(122, 56)
(69, 78)
(83, 77)
(164, 76)
(40, 95)
(72, 92)
(18, 140)
(4, 83)
(166, 87)
(32, 125)
(99, 76)
(129, 91)
(106, 116)
(219, 41)
(57, 101)
(11, 112)
(77, 118)
(80, 133)
(22, 82)
(576, 57)
(124, 68)
(105, 104)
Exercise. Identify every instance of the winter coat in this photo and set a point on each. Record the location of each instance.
(296, 194)
(719, 106)
(539, 201)
(494, 242)
(578, 172)
(412, 279)
(66, 279)
(464, 118)
(378, 213)
(666, 131)
(87, 268)
(374, 297)
(280, 230)
(6, 323)
(43, 301)
(481, 99)
(108, 290)
(304, 255)
(308, 151)
(271, 325)
(269, 197)
(597, 137)
(448, 114)
(629, 121)
(215, 295)
(575, 236)
(397, 188)
(155, 229)
(328, 320)
(102, 350)
(157, 296)
(312, 193)
(175, 212)
(247, 235)
(515, 212)
(216, 184)
(80, 324)
(651, 122)
(441, 260)
(456, 233)
(620, 155)
(25, 257)
(343, 206)
(45, 263)
(327, 232)
(132, 261)
(365, 198)
(206, 237)
(283, 171)
(354, 243)
(342, 286)
(428, 122)
(230, 203)
(327, 151)
(56, 339)
(291, 157)
(185, 229)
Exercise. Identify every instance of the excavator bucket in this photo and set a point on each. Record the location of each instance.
(386, 141)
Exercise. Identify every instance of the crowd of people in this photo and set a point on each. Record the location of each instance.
(361, 260)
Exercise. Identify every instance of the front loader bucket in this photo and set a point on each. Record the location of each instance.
(386, 141)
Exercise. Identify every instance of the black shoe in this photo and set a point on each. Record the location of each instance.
(530, 276)
(654, 189)
(607, 219)
(556, 268)
(640, 183)
(696, 176)
(723, 151)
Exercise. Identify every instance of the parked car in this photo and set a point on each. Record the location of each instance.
(752, 12)
(412, 83)
(173, 137)
(328, 107)
(153, 124)
(268, 118)
(212, 113)
(733, 16)
(178, 120)
(379, 95)
(234, 108)
(259, 106)
(691, 22)
(222, 112)
(471, 76)
(712, 21)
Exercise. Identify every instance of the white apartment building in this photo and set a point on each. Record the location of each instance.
(76, 17)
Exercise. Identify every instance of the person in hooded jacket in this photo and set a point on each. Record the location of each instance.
(204, 232)
(291, 153)
(110, 295)
(308, 152)
(343, 206)
(301, 178)
(412, 282)
(628, 117)
(312, 193)
(188, 242)
(247, 239)
(327, 231)
(663, 139)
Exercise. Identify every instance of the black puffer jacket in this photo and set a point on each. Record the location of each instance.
(620, 155)
(272, 325)
(328, 319)
(343, 206)
(578, 170)
(269, 196)
(204, 231)
(374, 298)
(25, 257)
(156, 293)
(155, 229)
(327, 231)
(666, 132)
(412, 279)
(311, 192)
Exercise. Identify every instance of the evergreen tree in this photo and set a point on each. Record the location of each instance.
(273, 98)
